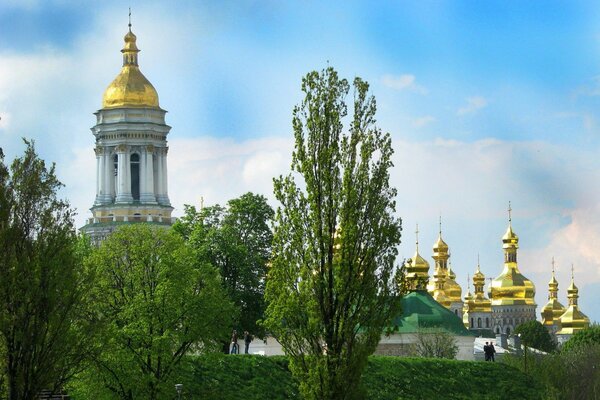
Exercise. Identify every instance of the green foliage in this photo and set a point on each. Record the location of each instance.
(385, 378)
(435, 343)
(247, 377)
(44, 332)
(237, 240)
(157, 304)
(572, 374)
(534, 334)
(330, 290)
(585, 337)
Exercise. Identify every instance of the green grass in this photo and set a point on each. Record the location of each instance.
(250, 377)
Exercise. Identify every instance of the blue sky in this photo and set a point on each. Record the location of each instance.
(486, 101)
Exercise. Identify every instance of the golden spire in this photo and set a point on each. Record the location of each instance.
(130, 88)
(553, 284)
(440, 249)
(572, 291)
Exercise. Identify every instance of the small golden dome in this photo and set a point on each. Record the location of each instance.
(130, 88)
(510, 239)
(452, 288)
(573, 320)
(440, 246)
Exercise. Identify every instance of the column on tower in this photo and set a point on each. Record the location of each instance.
(165, 178)
(99, 160)
(147, 175)
(162, 184)
(123, 175)
(108, 177)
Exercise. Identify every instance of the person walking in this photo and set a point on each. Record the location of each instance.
(247, 340)
(486, 351)
(234, 344)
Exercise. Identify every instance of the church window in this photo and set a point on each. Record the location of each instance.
(507, 330)
(479, 322)
(135, 176)
(472, 325)
(497, 330)
(487, 322)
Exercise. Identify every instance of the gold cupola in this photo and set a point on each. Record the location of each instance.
(480, 302)
(440, 257)
(417, 269)
(553, 310)
(130, 88)
(451, 287)
(573, 320)
(511, 287)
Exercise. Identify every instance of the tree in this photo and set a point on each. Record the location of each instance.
(158, 303)
(435, 343)
(586, 337)
(237, 240)
(43, 287)
(331, 288)
(534, 334)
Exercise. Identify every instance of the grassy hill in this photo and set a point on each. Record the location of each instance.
(386, 378)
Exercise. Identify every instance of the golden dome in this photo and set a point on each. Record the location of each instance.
(417, 269)
(573, 320)
(553, 310)
(130, 88)
(511, 287)
(440, 246)
(510, 239)
(452, 288)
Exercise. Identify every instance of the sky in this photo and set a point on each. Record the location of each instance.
(487, 102)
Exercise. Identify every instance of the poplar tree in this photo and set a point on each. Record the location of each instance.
(331, 288)
(44, 329)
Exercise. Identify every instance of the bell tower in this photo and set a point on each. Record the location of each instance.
(131, 152)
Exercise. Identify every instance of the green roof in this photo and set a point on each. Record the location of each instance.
(421, 312)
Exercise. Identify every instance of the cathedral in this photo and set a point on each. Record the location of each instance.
(131, 152)
(510, 296)
(132, 186)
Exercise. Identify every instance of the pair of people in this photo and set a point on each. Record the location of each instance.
(489, 350)
(234, 342)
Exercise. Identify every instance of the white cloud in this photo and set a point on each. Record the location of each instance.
(473, 104)
(420, 122)
(403, 82)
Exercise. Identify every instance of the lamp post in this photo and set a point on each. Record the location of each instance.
(525, 349)
(179, 388)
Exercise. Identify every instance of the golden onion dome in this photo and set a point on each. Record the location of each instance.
(573, 320)
(440, 246)
(511, 287)
(130, 88)
(510, 239)
(553, 310)
(452, 288)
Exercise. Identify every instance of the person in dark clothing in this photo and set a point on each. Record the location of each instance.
(234, 344)
(492, 351)
(486, 351)
(247, 340)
